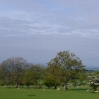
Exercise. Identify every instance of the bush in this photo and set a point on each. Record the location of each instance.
(94, 82)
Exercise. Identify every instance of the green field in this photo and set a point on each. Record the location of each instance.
(24, 93)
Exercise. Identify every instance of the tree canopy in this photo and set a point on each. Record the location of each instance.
(13, 70)
(64, 68)
(69, 67)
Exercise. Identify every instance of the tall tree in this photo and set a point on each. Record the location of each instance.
(13, 70)
(70, 66)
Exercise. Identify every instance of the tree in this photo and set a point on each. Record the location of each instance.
(34, 75)
(2, 80)
(52, 75)
(70, 67)
(94, 81)
(13, 70)
(27, 79)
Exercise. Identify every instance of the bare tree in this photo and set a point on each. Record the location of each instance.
(13, 70)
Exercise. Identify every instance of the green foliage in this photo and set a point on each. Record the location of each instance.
(49, 83)
(33, 75)
(52, 76)
(65, 67)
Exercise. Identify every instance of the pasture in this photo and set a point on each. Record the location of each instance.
(25, 93)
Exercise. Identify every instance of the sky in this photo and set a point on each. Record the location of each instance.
(38, 29)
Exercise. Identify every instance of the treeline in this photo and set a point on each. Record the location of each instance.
(66, 67)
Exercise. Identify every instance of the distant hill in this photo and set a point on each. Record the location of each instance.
(92, 68)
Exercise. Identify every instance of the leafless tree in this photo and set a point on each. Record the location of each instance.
(13, 70)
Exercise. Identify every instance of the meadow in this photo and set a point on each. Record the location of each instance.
(25, 93)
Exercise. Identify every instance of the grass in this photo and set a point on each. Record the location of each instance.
(24, 93)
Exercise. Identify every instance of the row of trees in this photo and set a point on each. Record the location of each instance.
(64, 68)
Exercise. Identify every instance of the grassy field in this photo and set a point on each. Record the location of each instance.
(24, 93)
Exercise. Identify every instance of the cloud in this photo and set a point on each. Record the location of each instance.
(75, 14)
(38, 28)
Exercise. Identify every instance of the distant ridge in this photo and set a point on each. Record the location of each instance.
(93, 68)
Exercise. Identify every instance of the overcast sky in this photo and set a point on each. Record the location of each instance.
(37, 29)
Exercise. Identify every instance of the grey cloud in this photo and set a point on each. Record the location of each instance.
(16, 27)
(36, 28)
(36, 46)
(75, 14)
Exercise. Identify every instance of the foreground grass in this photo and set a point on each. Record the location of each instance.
(24, 93)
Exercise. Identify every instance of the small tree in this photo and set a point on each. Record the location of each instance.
(52, 75)
(94, 81)
(33, 75)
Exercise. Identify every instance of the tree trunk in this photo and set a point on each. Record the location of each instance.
(66, 86)
(16, 85)
(55, 86)
(36, 84)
